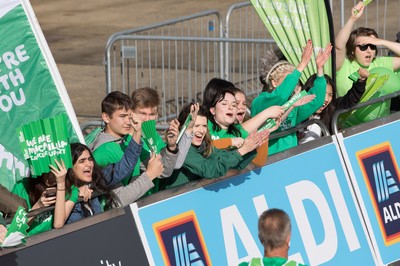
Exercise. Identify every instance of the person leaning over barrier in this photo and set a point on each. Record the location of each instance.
(203, 159)
(229, 131)
(281, 80)
(274, 232)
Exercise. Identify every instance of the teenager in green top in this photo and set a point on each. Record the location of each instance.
(34, 191)
(274, 232)
(204, 160)
(222, 112)
(282, 79)
(120, 114)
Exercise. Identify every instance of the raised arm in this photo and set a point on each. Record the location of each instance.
(344, 34)
(306, 56)
(63, 207)
(322, 58)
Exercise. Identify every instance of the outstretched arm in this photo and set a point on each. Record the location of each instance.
(344, 34)
(255, 122)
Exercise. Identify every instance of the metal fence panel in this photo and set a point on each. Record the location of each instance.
(178, 57)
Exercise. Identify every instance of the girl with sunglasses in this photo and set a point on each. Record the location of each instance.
(358, 48)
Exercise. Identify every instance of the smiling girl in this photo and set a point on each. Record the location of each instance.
(203, 159)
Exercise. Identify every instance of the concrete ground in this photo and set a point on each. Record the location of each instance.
(77, 32)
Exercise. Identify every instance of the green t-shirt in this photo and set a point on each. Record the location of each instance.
(276, 261)
(196, 166)
(343, 83)
(223, 133)
(296, 116)
(112, 152)
(44, 221)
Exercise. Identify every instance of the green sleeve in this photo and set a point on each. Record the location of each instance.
(278, 96)
(216, 165)
(319, 89)
(74, 194)
(19, 189)
(108, 153)
(247, 158)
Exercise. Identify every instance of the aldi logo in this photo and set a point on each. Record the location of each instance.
(181, 241)
(381, 174)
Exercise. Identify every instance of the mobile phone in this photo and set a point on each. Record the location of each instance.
(50, 192)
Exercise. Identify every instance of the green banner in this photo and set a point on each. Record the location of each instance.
(42, 141)
(291, 23)
(30, 86)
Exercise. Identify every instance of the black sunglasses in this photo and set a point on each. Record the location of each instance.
(365, 47)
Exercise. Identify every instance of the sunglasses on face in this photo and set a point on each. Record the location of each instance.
(365, 47)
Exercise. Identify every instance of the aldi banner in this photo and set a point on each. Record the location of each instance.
(376, 178)
(30, 86)
(291, 23)
(217, 224)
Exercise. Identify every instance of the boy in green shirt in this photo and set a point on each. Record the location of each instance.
(120, 136)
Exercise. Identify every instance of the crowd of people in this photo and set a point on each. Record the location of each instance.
(117, 166)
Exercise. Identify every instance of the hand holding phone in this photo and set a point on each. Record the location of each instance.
(50, 192)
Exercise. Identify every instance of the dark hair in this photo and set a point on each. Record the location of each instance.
(114, 101)
(274, 227)
(145, 97)
(236, 90)
(36, 185)
(327, 113)
(207, 138)
(218, 97)
(351, 42)
(214, 86)
(98, 183)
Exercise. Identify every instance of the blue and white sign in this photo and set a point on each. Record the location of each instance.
(218, 224)
(372, 156)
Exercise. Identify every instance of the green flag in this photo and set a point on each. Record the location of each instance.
(292, 23)
(31, 87)
(16, 232)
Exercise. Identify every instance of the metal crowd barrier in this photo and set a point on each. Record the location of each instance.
(178, 58)
(121, 54)
(381, 99)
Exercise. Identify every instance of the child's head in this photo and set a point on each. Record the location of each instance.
(273, 68)
(116, 108)
(330, 94)
(277, 75)
(213, 87)
(145, 103)
(241, 104)
(200, 129)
